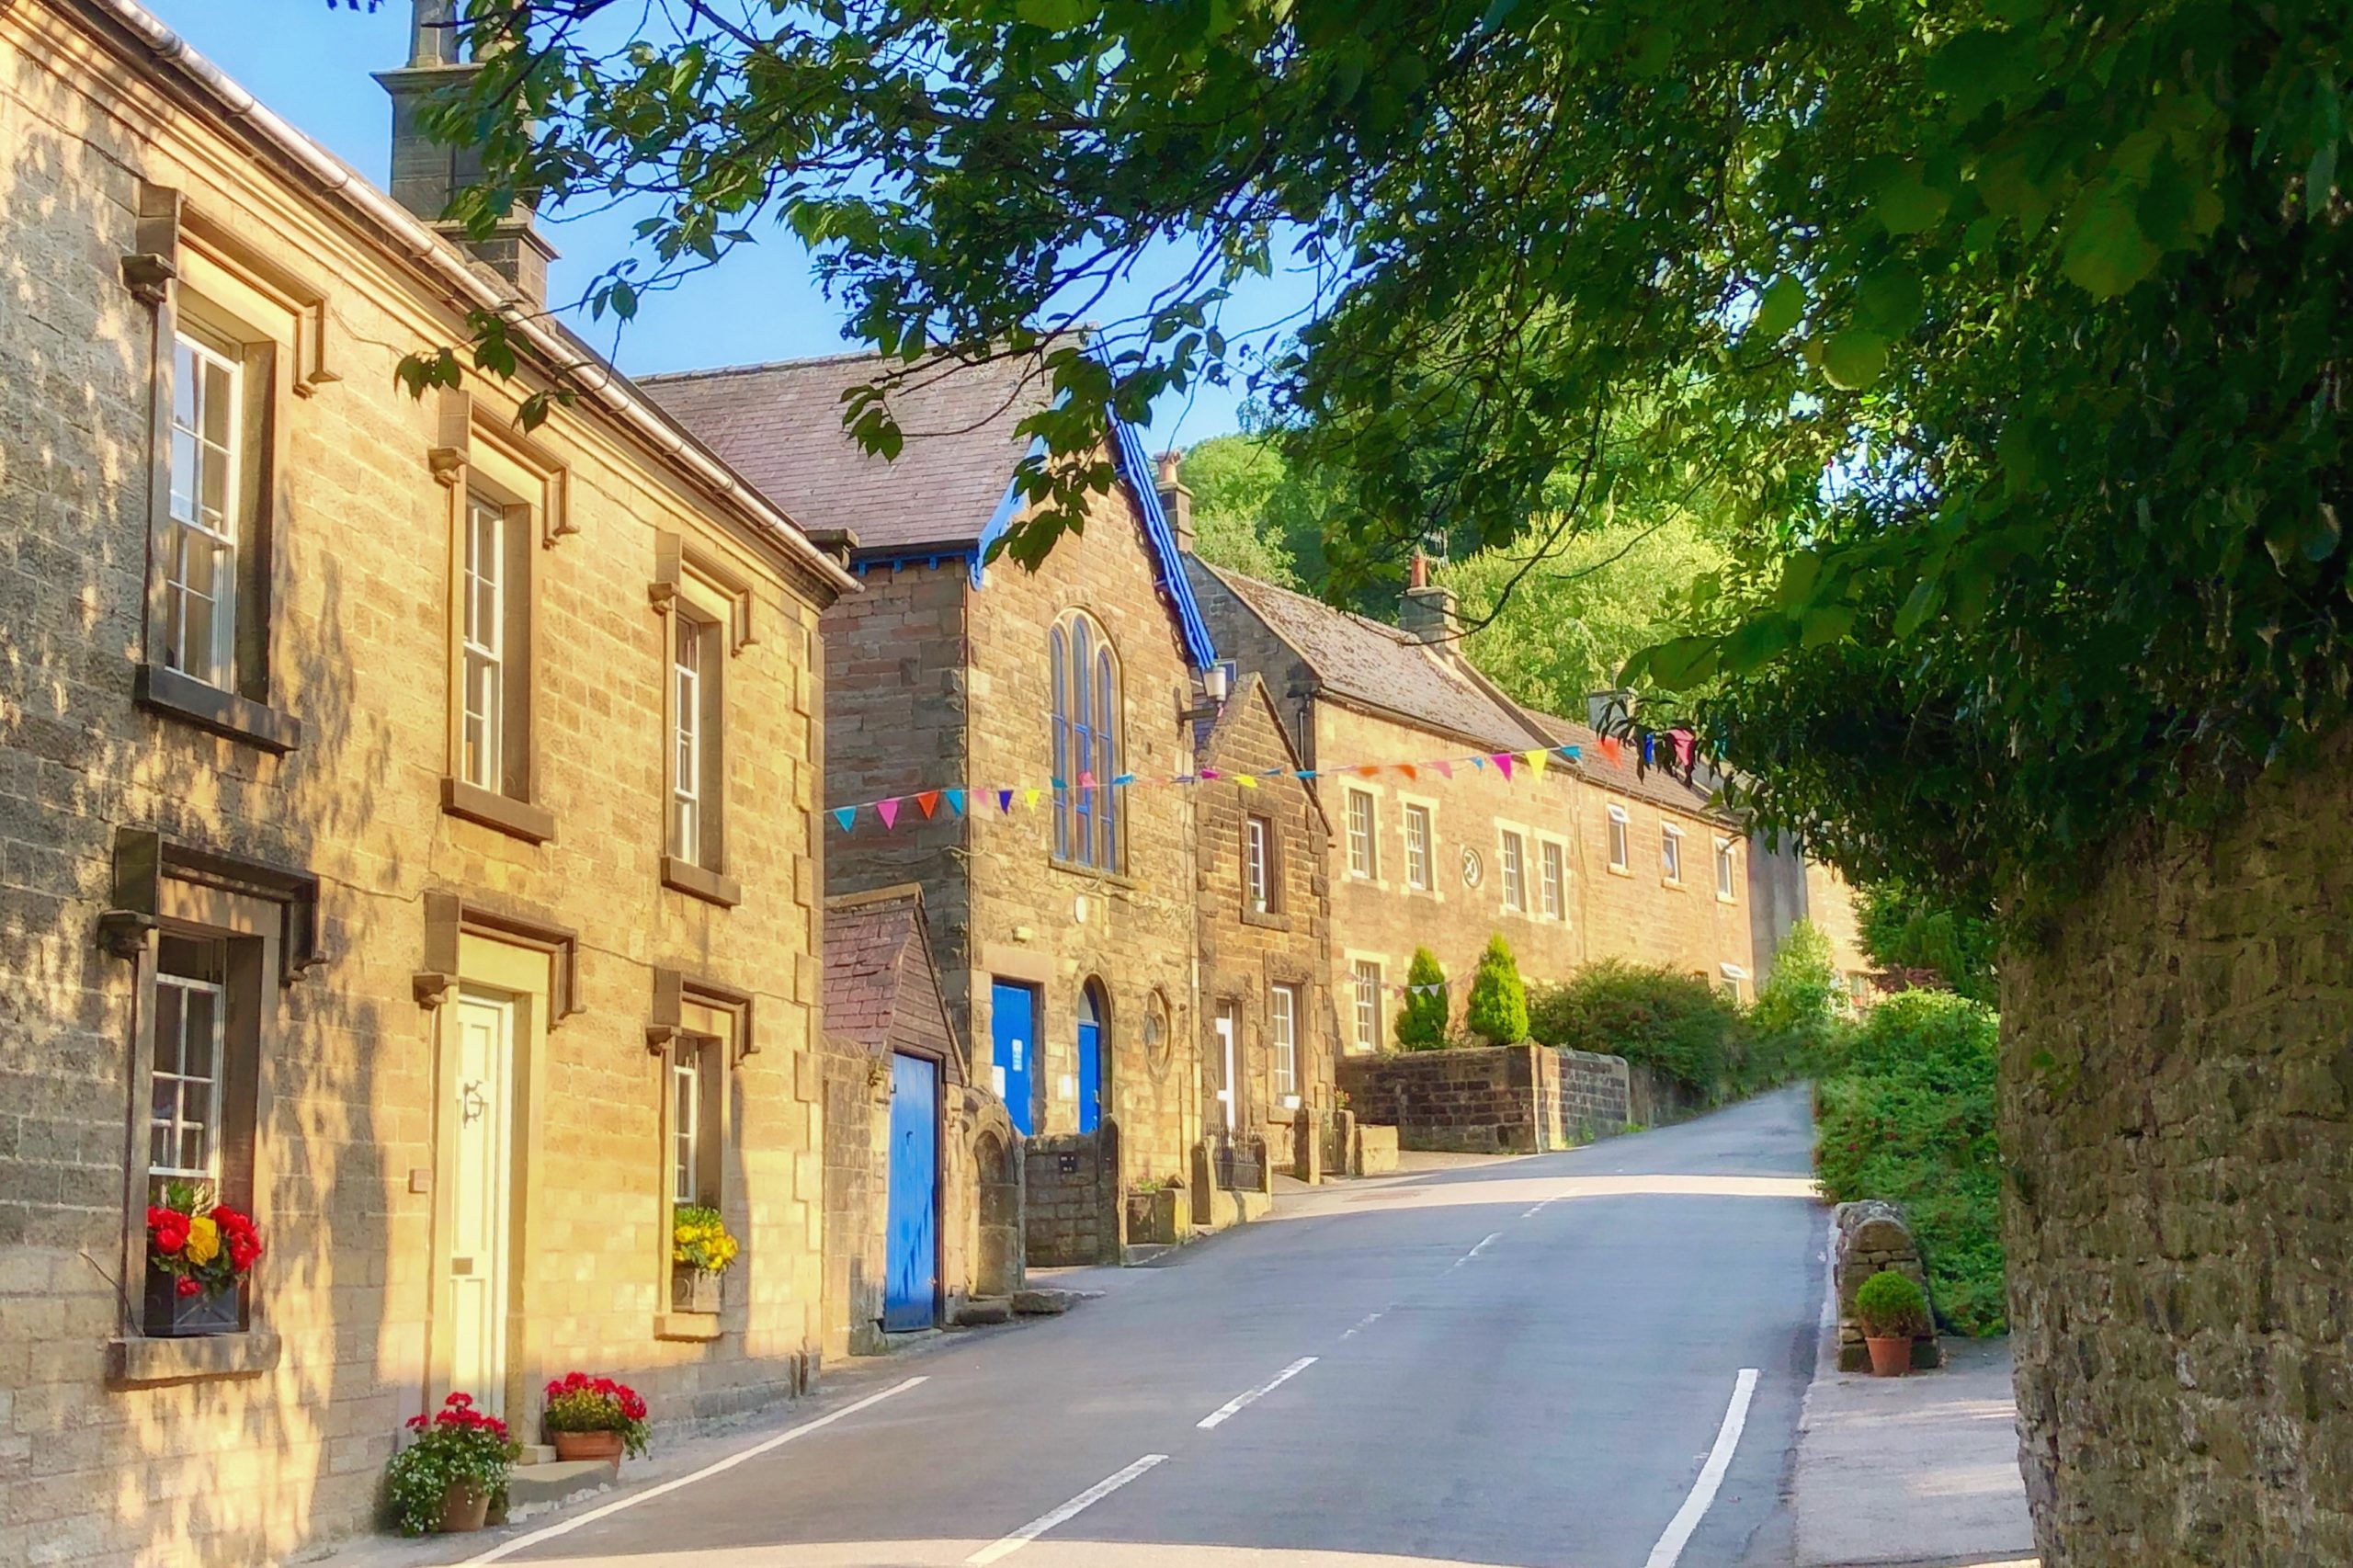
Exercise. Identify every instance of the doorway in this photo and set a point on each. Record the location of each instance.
(1229, 1029)
(481, 1116)
(1013, 1054)
(1092, 1015)
(911, 1273)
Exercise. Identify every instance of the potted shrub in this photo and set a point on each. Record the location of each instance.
(198, 1254)
(701, 1251)
(595, 1418)
(454, 1470)
(1893, 1310)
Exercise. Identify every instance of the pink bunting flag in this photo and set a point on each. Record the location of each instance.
(1682, 739)
(888, 811)
(1086, 779)
(1446, 770)
(1502, 760)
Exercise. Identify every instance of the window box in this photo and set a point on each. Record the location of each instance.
(696, 1290)
(171, 1315)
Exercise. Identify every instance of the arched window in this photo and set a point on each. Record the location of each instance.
(1086, 726)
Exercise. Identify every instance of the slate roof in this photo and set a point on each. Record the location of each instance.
(1360, 660)
(779, 426)
(1655, 785)
(877, 961)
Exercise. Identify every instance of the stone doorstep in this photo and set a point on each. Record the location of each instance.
(536, 1488)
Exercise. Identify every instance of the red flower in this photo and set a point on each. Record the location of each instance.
(188, 1286)
(458, 1401)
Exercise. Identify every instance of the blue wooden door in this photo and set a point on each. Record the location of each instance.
(1090, 1076)
(1013, 1028)
(912, 1249)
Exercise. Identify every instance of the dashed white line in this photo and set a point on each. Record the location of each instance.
(1492, 1237)
(1365, 1322)
(567, 1526)
(1009, 1545)
(1669, 1550)
(1219, 1416)
(1535, 1209)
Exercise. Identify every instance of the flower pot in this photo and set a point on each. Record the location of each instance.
(1890, 1354)
(465, 1507)
(171, 1315)
(587, 1445)
(694, 1291)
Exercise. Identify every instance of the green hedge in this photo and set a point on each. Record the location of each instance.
(1908, 1115)
(1675, 1024)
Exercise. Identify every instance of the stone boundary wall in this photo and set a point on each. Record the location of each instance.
(1596, 1095)
(1656, 1100)
(1480, 1101)
(1866, 1237)
(1073, 1208)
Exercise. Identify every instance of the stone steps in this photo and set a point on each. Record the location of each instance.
(534, 1488)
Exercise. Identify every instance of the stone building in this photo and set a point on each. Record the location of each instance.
(978, 718)
(1270, 1034)
(1447, 831)
(409, 825)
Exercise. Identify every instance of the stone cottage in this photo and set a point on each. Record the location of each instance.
(411, 831)
(979, 720)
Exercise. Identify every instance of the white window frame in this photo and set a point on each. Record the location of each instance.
(1257, 864)
(686, 1126)
(1364, 849)
(1364, 978)
(481, 720)
(1513, 880)
(1620, 836)
(688, 637)
(1731, 977)
(1420, 837)
(1282, 1038)
(1553, 877)
(1727, 880)
(189, 528)
(181, 1080)
(1670, 853)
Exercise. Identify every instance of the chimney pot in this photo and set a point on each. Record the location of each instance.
(1175, 501)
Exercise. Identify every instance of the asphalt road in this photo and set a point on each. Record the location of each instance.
(1528, 1363)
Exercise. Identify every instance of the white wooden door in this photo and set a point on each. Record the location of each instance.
(482, 1117)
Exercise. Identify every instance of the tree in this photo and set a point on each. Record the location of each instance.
(1498, 1012)
(1799, 1012)
(1931, 940)
(1422, 1023)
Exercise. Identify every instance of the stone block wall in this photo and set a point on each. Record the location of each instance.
(1485, 1100)
(1073, 1201)
(2177, 1124)
(1653, 1099)
(1867, 1238)
(1596, 1095)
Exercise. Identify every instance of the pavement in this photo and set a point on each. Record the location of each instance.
(1918, 1471)
(1594, 1358)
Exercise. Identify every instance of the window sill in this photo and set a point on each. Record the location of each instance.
(533, 825)
(1670, 885)
(703, 1326)
(1092, 873)
(1621, 870)
(174, 695)
(140, 1362)
(699, 881)
(1270, 922)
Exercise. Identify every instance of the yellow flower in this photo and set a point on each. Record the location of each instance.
(203, 1239)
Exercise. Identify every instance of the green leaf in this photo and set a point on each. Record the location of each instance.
(1908, 204)
(1799, 574)
(2107, 255)
(1927, 595)
(1825, 624)
(1060, 16)
(1890, 299)
(1853, 357)
(1679, 662)
(1780, 308)
(1757, 644)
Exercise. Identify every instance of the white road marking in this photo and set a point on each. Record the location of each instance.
(1533, 1210)
(1064, 1515)
(1217, 1417)
(1490, 1238)
(566, 1527)
(1669, 1550)
(1366, 1322)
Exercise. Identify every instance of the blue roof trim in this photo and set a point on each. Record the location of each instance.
(931, 558)
(1128, 453)
(999, 520)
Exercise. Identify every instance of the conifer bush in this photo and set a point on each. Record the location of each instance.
(1422, 1024)
(1498, 1008)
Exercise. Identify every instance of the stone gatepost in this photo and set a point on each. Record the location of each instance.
(1872, 1235)
(1307, 1145)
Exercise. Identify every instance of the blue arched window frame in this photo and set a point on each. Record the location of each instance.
(1088, 722)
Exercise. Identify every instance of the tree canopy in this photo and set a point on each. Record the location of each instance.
(2011, 334)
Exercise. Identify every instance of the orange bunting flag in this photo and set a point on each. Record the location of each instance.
(929, 800)
(1407, 770)
(1613, 748)
(1367, 770)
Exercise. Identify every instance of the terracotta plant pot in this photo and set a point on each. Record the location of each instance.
(1890, 1355)
(465, 1507)
(587, 1445)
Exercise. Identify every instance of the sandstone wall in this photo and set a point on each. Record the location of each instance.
(1483, 1100)
(2177, 1118)
(1074, 1201)
(1596, 1095)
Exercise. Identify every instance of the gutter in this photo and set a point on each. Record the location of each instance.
(428, 250)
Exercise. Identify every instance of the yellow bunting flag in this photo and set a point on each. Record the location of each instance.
(1537, 760)
(1030, 798)
(1245, 782)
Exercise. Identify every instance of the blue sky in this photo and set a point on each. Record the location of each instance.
(311, 65)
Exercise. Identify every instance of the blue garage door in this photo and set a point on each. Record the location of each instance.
(913, 1236)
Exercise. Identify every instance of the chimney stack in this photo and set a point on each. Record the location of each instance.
(1428, 611)
(1175, 501)
(1603, 709)
(427, 174)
